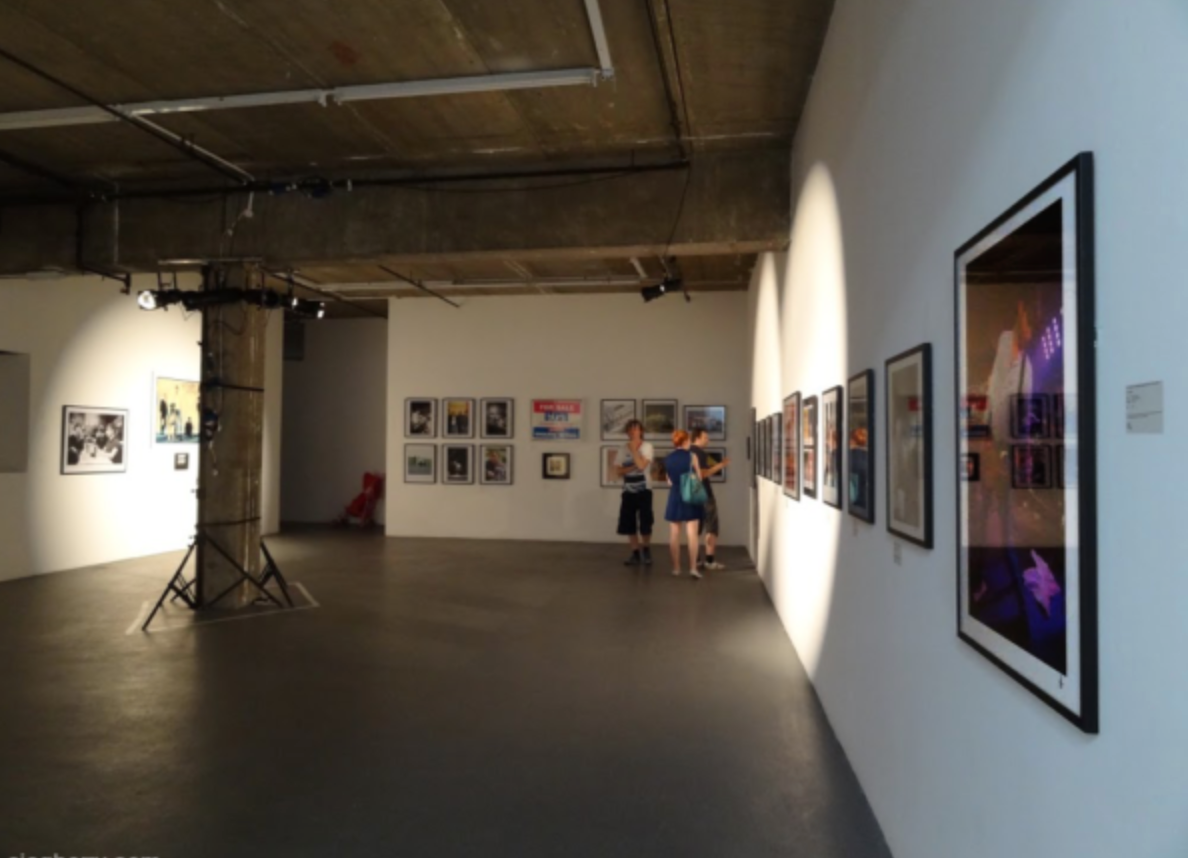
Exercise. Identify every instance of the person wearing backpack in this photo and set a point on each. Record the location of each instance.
(686, 501)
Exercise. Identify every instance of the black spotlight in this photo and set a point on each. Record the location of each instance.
(668, 284)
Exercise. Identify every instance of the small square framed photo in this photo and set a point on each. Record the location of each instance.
(459, 464)
(1031, 466)
(1031, 415)
(659, 419)
(181, 461)
(554, 466)
(495, 469)
(457, 418)
(714, 456)
(613, 417)
(610, 464)
(497, 418)
(420, 417)
(420, 463)
(659, 470)
(711, 418)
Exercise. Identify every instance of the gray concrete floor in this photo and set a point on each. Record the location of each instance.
(448, 698)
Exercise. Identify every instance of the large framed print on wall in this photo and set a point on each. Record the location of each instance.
(420, 417)
(808, 446)
(711, 418)
(497, 417)
(613, 417)
(832, 430)
(909, 445)
(420, 463)
(791, 418)
(94, 440)
(860, 446)
(659, 418)
(176, 408)
(557, 420)
(457, 418)
(1027, 503)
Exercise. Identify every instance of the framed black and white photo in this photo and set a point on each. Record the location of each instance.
(711, 418)
(458, 464)
(94, 440)
(909, 445)
(1026, 522)
(554, 466)
(659, 468)
(791, 421)
(420, 463)
(496, 465)
(860, 445)
(808, 446)
(457, 418)
(497, 418)
(420, 417)
(613, 417)
(715, 455)
(833, 430)
(659, 417)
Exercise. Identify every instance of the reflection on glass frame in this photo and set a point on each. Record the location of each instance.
(711, 418)
(658, 478)
(861, 447)
(832, 431)
(497, 417)
(458, 467)
(659, 417)
(420, 463)
(497, 464)
(94, 440)
(791, 432)
(1027, 570)
(420, 417)
(457, 418)
(808, 446)
(613, 417)
(909, 445)
(554, 466)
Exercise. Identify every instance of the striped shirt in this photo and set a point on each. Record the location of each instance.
(635, 481)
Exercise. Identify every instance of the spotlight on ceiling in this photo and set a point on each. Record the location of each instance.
(150, 300)
(668, 284)
(147, 300)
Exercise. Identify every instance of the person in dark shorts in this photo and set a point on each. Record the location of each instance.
(709, 524)
(635, 508)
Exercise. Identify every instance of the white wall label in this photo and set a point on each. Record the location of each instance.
(1144, 408)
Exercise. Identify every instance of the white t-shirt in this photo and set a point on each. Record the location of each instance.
(635, 481)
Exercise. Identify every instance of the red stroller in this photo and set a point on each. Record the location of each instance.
(361, 510)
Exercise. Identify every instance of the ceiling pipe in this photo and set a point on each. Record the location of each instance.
(594, 14)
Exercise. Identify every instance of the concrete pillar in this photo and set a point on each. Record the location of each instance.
(229, 479)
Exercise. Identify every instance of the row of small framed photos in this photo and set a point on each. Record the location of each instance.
(496, 417)
(659, 419)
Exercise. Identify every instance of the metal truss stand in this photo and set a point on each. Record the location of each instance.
(186, 589)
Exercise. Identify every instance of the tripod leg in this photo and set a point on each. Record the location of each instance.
(171, 586)
(273, 571)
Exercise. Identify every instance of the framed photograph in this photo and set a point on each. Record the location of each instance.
(777, 447)
(613, 417)
(659, 419)
(181, 461)
(790, 418)
(833, 429)
(975, 420)
(659, 475)
(714, 455)
(1027, 537)
(459, 464)
(458, 418)
(610, 461)
(555, 466)
(751, 449)
(765, 448)
(420, 463)
(557, 419)
(971, 467)
(909, 445)
(420, 417)
(496, 466)
(808, 446)
(94, 440)
(860, 447)
(497, 418)
(176, 411)
(711, 418)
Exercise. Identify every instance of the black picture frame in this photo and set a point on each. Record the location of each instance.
(424, 451)
(424, 410)
(1027, 529)
(464, 427)
(711, 417)
(790, 478)
(861, 445)
(555, 466)
(495, 469)
(833, 431)
(457, 464)
(497, 418)
(810, 463)
(908, 403)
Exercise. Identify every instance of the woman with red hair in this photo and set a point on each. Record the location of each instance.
(680, 513)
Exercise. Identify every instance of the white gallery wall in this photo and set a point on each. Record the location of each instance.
(90, 345)
(588, 347)
(335, 418)
(926, 121)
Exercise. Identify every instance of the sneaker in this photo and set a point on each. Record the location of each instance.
(647, 558)
(716, 566)
(633, 560)
(700, 564)
(676, 573)
(695, 574)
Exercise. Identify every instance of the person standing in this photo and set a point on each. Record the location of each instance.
(709, 522)
(635, 507)
(680, 513)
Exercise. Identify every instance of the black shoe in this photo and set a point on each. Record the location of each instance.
(647, 558)
(633, 560)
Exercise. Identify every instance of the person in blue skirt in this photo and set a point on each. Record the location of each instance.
(678, 513)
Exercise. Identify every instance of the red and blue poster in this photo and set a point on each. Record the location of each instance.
(557, 419)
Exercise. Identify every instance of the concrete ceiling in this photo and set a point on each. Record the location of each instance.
(694, 80)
